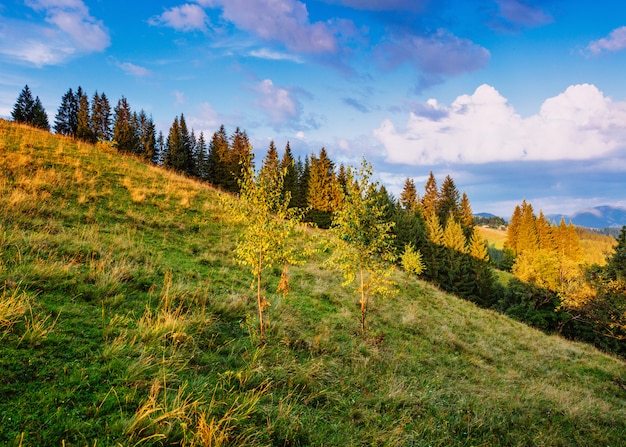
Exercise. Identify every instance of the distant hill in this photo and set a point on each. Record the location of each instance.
(597, 217)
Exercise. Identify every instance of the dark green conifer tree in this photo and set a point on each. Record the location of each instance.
(84, 127)
(40, 117)
(201, 156)
(124, 127)
(101, 117)
(449, 202)
(290, 182)
(146, 136)
(66, 119)
(217, 159)
(241, 157)
(23, 108)
(430, 200)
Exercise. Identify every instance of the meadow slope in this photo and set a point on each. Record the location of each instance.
(126, 320)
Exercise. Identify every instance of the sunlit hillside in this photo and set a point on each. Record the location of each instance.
(126, 320)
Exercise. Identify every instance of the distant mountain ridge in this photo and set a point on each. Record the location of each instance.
(596, 217)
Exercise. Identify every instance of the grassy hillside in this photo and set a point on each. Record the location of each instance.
(125, 320)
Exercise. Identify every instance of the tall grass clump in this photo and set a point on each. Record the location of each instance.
(13, 305)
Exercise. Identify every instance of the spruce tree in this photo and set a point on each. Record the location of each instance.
(239, 159)
(101, 117)
(217, 166)
(189, 143)
(430, 200)
(449, 201)
(303, 173)
(175, 151)
(201, 156)
(124, 131)
(23, 108)
(160, 151)
(40, 117)
(290, 184)
(66, 120)
(84, 128)
(146, 136)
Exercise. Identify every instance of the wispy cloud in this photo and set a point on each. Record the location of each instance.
(579, 124)
(266, 53)
(69, 30)
(615, 41)
(187, 17)
(435, 57)
(134, 70)
(519, 13)
(356, 104)
(388, 5)
(282, 21)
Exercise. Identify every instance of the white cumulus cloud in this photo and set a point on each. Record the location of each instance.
(579, 124)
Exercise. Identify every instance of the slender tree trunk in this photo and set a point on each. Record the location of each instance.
(259, 297)
(363, 303)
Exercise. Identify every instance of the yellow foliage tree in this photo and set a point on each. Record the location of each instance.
(269, 224)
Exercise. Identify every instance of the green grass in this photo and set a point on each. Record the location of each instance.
(125, 320)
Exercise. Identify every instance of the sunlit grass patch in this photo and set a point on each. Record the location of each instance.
(13, 305)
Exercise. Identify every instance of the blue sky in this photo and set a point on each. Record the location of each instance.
(513, 98)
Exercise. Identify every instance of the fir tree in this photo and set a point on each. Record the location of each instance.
(217, 159)
(23, 108)
(84, 128)
(430, 200)
(201, 157)
(237, 162)
(290, 184)
(40, 117)
(448, 204)
(146, 136)
(66, 119)
(101, 117)
(616, 263)
(160, 151)
(175, 147)
(124, 132)
(303, 173)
